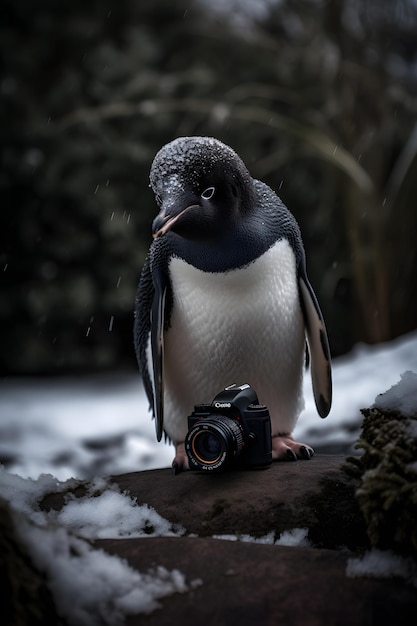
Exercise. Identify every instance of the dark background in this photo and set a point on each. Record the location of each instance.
(318, 97)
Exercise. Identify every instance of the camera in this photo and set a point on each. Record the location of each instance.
(233, 430)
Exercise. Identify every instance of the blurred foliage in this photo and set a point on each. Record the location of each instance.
(319, 99)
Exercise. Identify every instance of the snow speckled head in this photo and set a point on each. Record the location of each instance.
(212, 213)
(187, 160)
(201, 186)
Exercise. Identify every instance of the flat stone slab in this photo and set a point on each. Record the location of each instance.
(244, 584)
(315, 494)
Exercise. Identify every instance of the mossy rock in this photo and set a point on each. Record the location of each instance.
(387, 494)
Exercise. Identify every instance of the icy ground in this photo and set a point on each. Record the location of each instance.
(101, 425)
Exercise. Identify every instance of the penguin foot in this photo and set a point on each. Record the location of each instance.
(284, 448)
(180, 462)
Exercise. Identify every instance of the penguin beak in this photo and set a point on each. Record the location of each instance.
(166, 219)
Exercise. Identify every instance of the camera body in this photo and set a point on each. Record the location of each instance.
(233, 430)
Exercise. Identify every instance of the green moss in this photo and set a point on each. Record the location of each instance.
(387, 494)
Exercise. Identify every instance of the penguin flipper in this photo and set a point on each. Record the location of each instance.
(148, 338)
(157, 346)
(318, 344)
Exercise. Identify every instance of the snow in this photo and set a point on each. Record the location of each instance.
(90, 586)
(401, 397)
(383, 564)
(294, 537)
(80, 428)
(104, 512)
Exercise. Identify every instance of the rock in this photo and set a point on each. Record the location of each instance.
(315, 494)
(25, 597)
(246, 583)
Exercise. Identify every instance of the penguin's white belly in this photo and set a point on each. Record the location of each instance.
(242, 326)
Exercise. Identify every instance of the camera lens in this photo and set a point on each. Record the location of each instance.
(207, 446)
(214, 442)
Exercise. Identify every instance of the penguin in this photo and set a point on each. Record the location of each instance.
(224, 297)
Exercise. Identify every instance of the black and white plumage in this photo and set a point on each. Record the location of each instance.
(224, 296)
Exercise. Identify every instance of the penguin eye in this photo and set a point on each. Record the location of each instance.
(208, 193)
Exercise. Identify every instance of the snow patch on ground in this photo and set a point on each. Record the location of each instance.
(382, 564)
(90, 586)
(295, 537)
(401, 397)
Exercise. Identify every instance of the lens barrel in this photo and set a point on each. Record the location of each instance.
(214, 442)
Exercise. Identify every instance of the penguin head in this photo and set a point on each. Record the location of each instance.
(202, 188)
